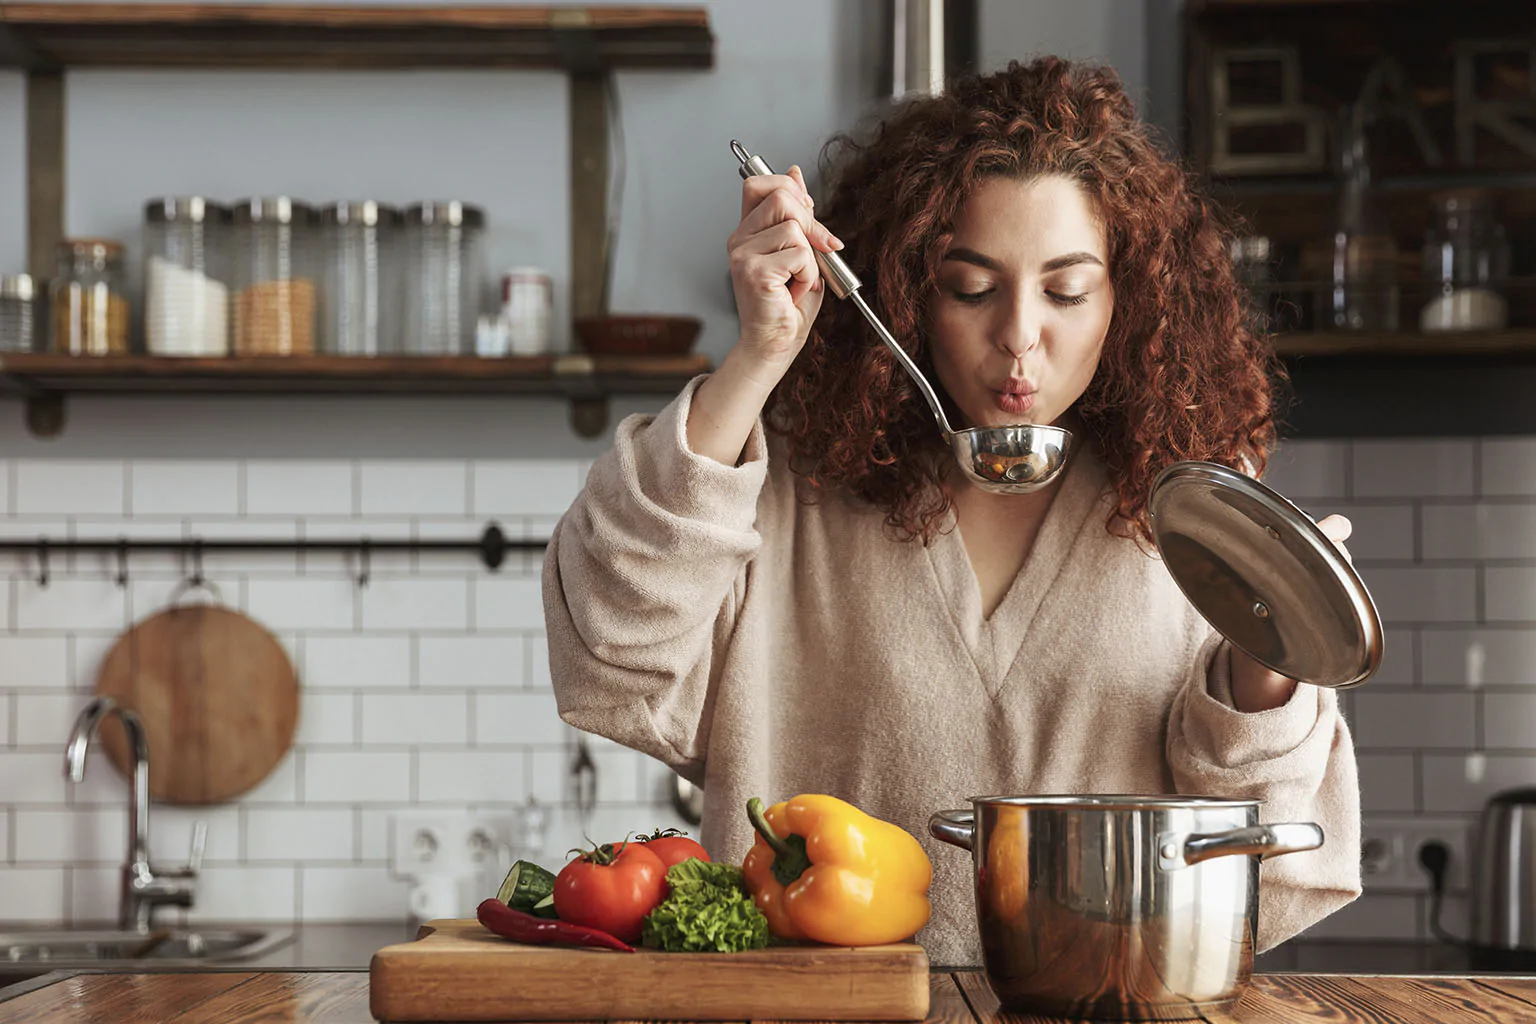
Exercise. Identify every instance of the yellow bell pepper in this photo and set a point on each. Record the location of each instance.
(821, 869)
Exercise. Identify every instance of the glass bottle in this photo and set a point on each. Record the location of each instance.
(1363, 293)
(1466, 264)
(186, 277)
(276, 296)
(91, 313)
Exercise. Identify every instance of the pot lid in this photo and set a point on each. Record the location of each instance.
(1264, 576)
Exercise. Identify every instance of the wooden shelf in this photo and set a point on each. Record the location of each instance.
(586, 381)
(1448, 344)
(51, 36)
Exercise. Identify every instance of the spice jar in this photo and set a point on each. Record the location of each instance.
(186, 277)
(22, 316)
(90, 305)
(276, 298)
(444, 273)
(1466, 264)
(527, 302)
(360, 252)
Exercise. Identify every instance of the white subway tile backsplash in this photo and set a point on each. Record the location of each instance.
(1509, 595)
(415, 604)
(300, 833)
(619, 775)
(475, 776)
(357, 662)
(246, 893)
(415, 488)
(94, 895)
(513, 603)
(328, 718)
(32, 894)
(1416, 468)
(150, 596)
(45, 719)
(1480, 531)
(472, 662)
(302, 604)
(80, 487)
(357, 776)
(1479, 657)
(1414, 594)
(281, 786)
(357, 893)
(1386, 783)
(34, 662)
(415, 718)
(1509, 720)
(522, 488)
(87, 651)
(98, 835)
(171, 835)
(1392, 719)
(185, 487)
(33, 777)
(66, 605)
(1509, 466)
(516, 717)
(1461, 782)
(538, 664)
(1379, 532)
(1309, 469)
(1373, 915)
(7, 737)
(299, 487)
(1397, 658)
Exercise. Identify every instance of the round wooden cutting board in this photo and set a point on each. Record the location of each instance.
(218, 696)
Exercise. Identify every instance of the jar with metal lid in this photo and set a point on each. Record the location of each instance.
(276, 302)
(360, 253)
(91, 313)
(186, 277)
(445, 262)
(22, 316)
(1466, 264)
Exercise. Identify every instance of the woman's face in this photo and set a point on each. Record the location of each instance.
(1023, 303)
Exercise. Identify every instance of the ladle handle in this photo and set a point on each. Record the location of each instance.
(845, 284)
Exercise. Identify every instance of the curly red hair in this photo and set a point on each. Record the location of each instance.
(1183, 374)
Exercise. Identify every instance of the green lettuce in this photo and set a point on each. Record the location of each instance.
(709, 910)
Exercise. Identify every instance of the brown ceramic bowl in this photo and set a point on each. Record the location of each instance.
(637, 335)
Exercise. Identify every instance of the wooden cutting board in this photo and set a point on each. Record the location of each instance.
(456, 970)
(217, 694)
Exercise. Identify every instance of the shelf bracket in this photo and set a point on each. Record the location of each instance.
(45, 414)
(589, 416)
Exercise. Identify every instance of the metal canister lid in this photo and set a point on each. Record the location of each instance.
(185, 209)
(19, 286)
(94, 248)
(273, 210)
(366, 213)
(1264, 575)
(449, 212)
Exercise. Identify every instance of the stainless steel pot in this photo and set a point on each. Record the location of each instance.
(1118, 907)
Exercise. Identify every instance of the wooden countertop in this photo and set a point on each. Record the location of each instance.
(341, 997)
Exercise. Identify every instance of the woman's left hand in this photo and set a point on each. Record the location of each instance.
(1256, 688)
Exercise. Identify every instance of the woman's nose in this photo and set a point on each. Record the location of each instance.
(1021, 331)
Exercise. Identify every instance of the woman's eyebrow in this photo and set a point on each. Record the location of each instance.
(1071, 259)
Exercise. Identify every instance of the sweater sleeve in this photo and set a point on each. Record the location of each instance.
(1299, 760)
(642, 578)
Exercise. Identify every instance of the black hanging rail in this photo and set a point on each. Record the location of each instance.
(492, 546)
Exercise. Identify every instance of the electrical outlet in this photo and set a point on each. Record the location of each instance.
(1389, 853)
(448, 842)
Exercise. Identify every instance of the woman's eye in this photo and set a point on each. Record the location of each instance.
(1068, 300)
(972, 297)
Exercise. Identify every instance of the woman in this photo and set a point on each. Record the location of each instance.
(782, 583)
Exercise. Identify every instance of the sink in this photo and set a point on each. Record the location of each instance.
(75, 947)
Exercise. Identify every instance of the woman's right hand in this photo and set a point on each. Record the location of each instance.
(774, 274)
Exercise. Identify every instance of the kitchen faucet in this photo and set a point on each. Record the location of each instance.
(143, 889)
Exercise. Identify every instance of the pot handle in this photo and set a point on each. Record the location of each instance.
(957, 828)
(1184, 849)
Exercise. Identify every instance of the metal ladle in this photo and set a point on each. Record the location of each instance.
(1004, 460)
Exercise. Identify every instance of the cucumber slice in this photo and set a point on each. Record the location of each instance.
(525, 885)
(545, 907)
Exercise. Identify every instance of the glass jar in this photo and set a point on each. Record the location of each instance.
(1466, 264)
(276, 299)
(1363, 293)
(22, 316)
(91, 313)
(360, 251)
(186, 277)
(444, 270)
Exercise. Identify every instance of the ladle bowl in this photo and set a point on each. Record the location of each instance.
(1013, 459)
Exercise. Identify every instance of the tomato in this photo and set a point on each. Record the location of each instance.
(673, 847)
(611, 888)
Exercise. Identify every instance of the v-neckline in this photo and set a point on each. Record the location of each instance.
(995, 642)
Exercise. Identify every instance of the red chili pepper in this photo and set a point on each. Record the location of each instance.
(542, 931)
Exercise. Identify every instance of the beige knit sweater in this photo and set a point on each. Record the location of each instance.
(762, 646)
